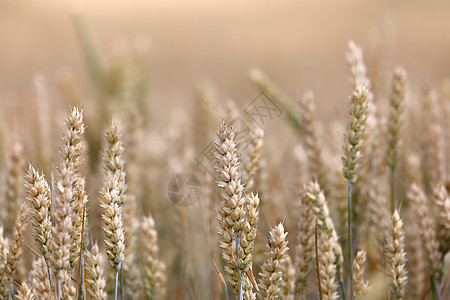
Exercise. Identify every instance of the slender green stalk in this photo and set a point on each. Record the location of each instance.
(435, 290)
(116, 283)
(349, 221)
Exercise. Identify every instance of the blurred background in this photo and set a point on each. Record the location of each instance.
(153, 63)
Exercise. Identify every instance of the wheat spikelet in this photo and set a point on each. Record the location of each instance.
(12, 186)
(313, 146)
(15, 249)
(327, 266)
(305, 244)
(254, 154)
(442, 203)
(231, 213)
(396, 257)
(112, 220)
(25, 292)
(395, 117)
(270, 281)
(320, 209)
(62, 228)
(95, 281)
(113, 159)
(361, 286)
(153, 272)
(40, 280)
(288, 274)
(38, 195)
(353, 138)
(426, 232)
(248, 236)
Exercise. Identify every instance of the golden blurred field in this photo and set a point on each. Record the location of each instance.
(179, 47)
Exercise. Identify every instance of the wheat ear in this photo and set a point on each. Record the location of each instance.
(271, 275)
(442, 203)
(427, 234)
(15, 250)
(40, 280)
(95, 281)
(395, 126)
(396, 258)
(360, 285)
(231, 213)
(25, 292)
(152, 273)
(327, 266)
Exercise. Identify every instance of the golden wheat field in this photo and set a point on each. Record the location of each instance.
(224, 150)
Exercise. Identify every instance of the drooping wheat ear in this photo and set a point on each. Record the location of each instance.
(287, 285)
(38, 195)
(73, 140)
(113, 223)
(254, 154)
(395, 126)
(360, 285)
(113, 159)
(426, 231)
(379, 215)
(271, 275)
(319, 207)
(442, 203)
(152, 275)
(39, 279)
(248, 235)
(305, 244)
(25, 292)
(15, 249)
(12, 185)
(327, 266)
(79, 220)
(231, 214)
(312, 141)
(353, 138)
(61, 229)
(95, 281)
(396, 258)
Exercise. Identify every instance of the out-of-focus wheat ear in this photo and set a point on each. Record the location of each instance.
(39, 279)
(79, 220)
(442, 202)
(231, 214)
(73, 145)
(3, 260)
(358, 70)
(312, 139)
(426, 232)
(113, 160)
(287, 285)
(95, 281)
(271, 276)
(206, 100)
(327, 267)
(436, 142)
(15, 249)
(396, 258)
(395, 127)
(304, 251)
(254, 154)
(418, 279)
(61, 229)
(38, 195)
(25, 292)
(360, 285)
(152, 273)
(319, 207)
(12, 185)
(379, 215)
(272, 91)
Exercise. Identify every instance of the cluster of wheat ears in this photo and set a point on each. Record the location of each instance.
(351, 241)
